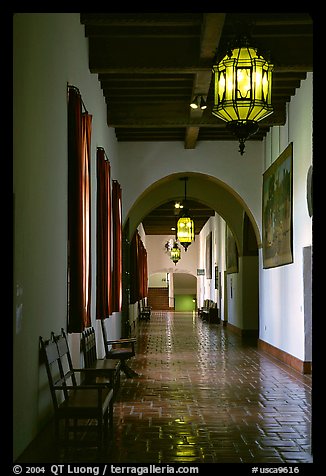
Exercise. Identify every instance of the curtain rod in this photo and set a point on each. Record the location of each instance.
(77, 90)
(102, 148)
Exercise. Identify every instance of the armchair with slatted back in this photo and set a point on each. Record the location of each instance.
(122, 349)
(104, 370)
(81, 408)
(144, 311)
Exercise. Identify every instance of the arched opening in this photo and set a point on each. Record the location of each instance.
(235, 292)
(172, 291)
(203, 188)
(185, 291)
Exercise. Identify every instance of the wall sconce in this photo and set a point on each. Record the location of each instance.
(198, 102)
(185, 225)
(242, 89)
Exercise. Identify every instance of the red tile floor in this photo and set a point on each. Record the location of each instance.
(202, 396)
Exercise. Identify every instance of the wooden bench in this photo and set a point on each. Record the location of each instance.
(104, 370)
(81, 408)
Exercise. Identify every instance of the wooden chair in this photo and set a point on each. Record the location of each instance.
(206, 310)
(103, 370)
(202, 310)
(79, 406)
(144, 311)
(213, 314)
(122, 349)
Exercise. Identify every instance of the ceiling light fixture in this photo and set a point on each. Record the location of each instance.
(175, 253)
(198, 102)
(172, 247)
(242, 89)
(185, 225)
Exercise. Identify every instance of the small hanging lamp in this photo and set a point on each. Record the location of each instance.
(185, 225)
(175, 253)
(242, 89)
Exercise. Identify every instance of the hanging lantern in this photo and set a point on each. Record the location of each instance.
(175, 253)
(185, 225)
(186, 231)
(242, 90)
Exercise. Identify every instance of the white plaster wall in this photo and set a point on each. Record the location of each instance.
(250, 292)
(206, 287)
(40, 198)
(234, 297)
(160, 261)
(143, 163)
(158, 280)
(50, 50)
(281, 289)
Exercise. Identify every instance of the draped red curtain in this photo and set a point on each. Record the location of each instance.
(79, 215)
(103, 259)
(134, 285)
(138, 269)
(145, 274)
(117, 247)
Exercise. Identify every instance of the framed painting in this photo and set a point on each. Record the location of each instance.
(277, 211)
(231, 253)
(216, 278)
(209, 256)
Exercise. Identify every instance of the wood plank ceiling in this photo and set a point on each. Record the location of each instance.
(150, 66)
(163, 219)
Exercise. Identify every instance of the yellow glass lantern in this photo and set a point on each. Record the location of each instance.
(185, 225)
(242, 90)
(185, 230)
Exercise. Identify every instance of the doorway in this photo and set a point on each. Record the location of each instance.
(185, 289)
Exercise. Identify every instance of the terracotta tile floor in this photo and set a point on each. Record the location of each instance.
(204, 397)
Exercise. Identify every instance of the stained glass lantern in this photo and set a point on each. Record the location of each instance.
(242, 89)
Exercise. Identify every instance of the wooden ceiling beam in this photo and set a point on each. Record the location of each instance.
(132, 70)
(191, 137)
(150, 65)
(211, 34)
(281, 67)
(148, 118)
(141, 19)
(163, 32)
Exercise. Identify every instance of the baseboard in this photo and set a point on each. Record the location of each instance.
(245, 334)
(232, 328)
(251, 335)
(303, 367)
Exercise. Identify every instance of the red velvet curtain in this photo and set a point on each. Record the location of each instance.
(138, 269)
(79, 216)
(117, 247)
(103, 261)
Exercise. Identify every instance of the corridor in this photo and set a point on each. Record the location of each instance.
(203, 397)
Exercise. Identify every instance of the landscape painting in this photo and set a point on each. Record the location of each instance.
(277, 211)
